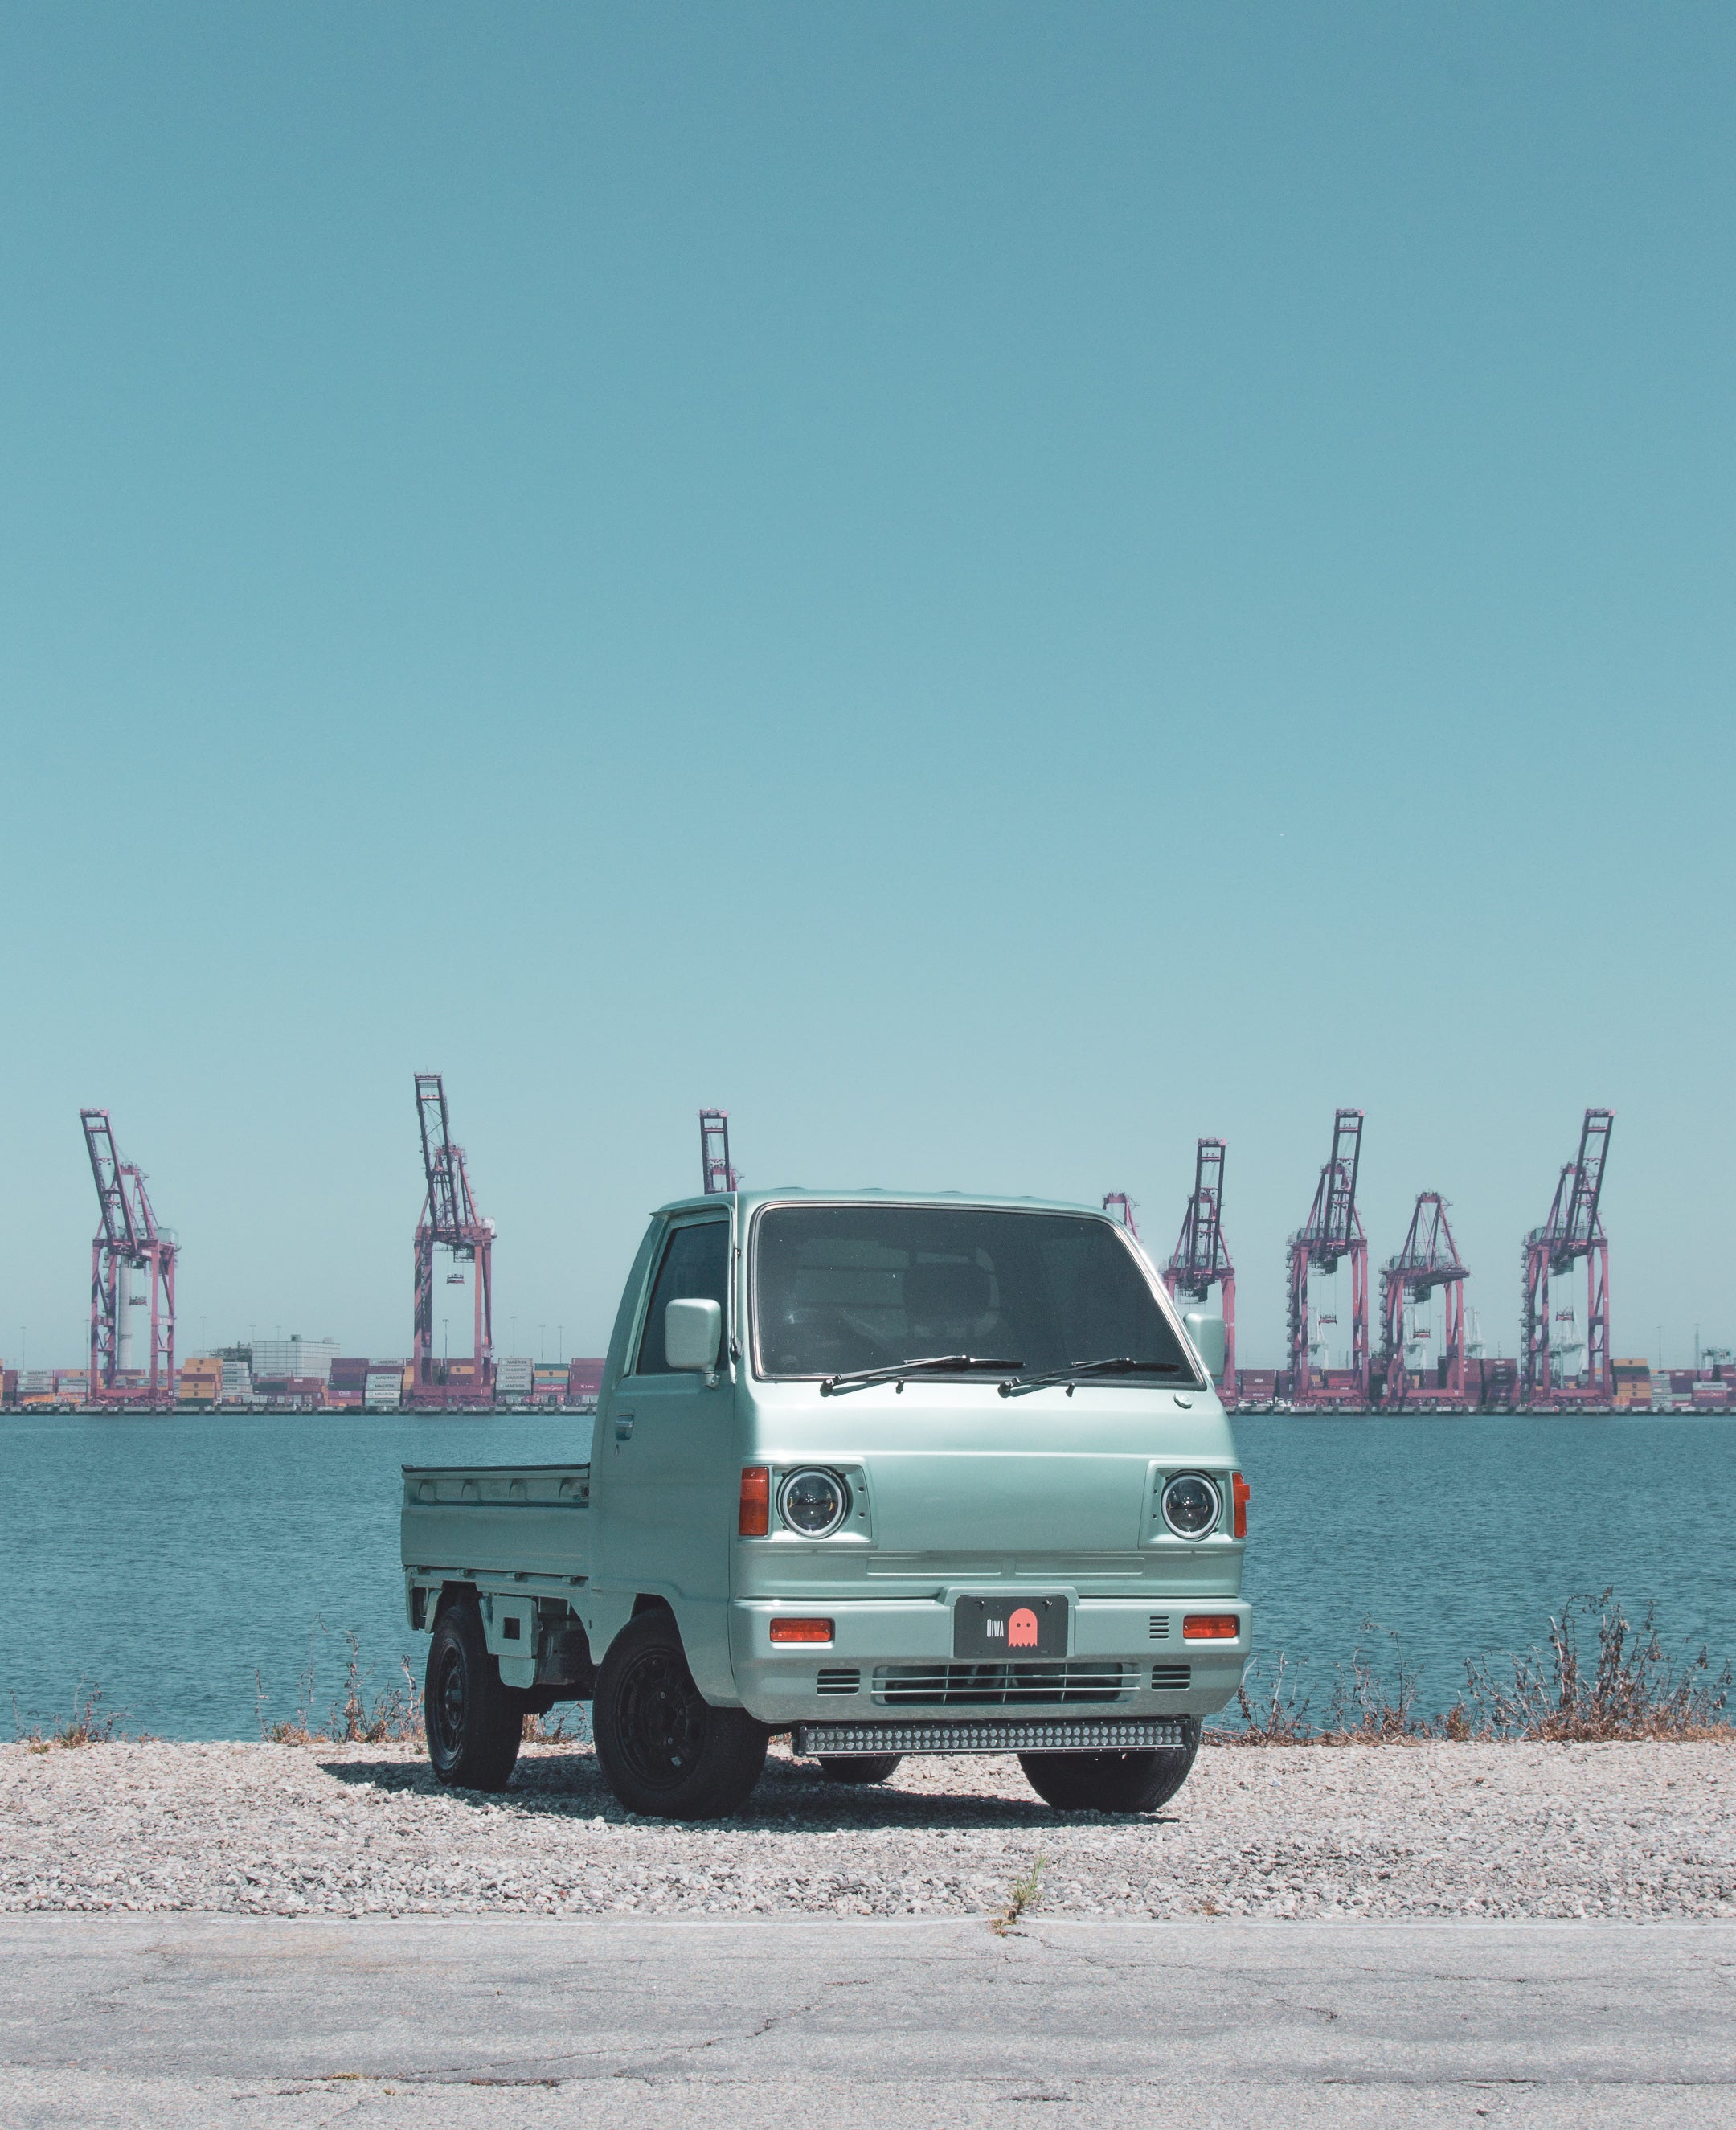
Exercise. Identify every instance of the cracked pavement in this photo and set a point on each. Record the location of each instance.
(471, 2022)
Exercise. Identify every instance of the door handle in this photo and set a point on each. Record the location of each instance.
(623, 1426)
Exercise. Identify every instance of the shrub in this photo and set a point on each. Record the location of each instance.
(1632, 1690)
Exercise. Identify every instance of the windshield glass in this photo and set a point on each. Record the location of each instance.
(838, 1288)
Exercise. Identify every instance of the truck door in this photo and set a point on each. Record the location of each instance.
(672, 1485)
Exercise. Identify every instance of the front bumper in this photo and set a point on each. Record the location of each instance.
(890, 1662)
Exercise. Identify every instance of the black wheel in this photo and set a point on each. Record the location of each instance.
(474, 1723)
(663, 1749)
(1113, 1782)
(858, 1767)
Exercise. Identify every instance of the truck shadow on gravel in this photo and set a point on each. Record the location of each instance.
(788, 1800)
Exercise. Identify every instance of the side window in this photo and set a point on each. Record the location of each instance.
(695, 1267)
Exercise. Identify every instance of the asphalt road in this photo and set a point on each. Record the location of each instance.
(190, 2020)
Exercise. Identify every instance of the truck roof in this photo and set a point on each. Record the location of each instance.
(873, 1195)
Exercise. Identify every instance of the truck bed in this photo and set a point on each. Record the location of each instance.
(517, 1522)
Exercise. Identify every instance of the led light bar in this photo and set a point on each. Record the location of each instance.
(1103, 1735)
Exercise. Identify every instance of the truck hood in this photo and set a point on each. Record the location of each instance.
(1007, 1501)
(963, 1470)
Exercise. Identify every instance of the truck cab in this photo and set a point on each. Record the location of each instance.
(888, 1473)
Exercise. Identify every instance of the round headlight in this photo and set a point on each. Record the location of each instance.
(1191, 1506)
(815, 1503)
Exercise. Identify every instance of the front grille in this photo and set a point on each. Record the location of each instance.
(1160, 1627)
(1172, 1675)
(840, 1682)
(999, 1685)
(1103, 1734)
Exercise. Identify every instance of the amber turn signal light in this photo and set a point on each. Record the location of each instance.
(1239, 1493)
(754, 1519)
(1210, 1627)
(801, 1630)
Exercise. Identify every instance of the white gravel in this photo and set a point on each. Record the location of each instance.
(1461, 1831)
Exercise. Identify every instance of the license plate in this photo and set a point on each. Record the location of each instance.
(1010, 1628)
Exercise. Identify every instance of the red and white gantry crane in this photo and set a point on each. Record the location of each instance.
(127, 1240)
(1573, 1230)
(450, 1221)
(1201, 1257)
(1333, 1230)
(1429, 1260)
(714, 1163)
(1118, 1203)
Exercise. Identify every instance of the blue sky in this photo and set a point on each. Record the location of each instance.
(992, 588)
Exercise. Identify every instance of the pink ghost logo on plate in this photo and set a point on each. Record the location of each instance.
(1021, 1629)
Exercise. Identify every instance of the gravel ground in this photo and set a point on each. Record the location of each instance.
(1449, 1830)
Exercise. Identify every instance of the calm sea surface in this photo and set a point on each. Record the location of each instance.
(169, 1559)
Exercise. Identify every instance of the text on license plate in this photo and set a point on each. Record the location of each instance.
(1010, 1627)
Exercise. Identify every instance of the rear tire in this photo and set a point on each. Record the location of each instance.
(858, 1767)
(473, 1723)
(1113, 1782)
(663, 1750)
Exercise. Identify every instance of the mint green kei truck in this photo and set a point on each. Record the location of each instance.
(883, 1474)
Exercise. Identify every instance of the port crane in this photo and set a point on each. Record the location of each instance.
(128, 1239)
(1118, 1203)
(1201, 1257)
(714, 1163)
(1429, 1260)
(1573, 1230)
(1333, 1230)
(450, 1221)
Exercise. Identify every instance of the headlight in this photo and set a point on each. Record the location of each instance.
(1191, 1506)
(815, 1503)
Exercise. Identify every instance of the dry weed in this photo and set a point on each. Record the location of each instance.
(1632, 1691)
(89, 1724)
(393, 1717)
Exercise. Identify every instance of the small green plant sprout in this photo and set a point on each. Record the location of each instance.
(1025, 1894)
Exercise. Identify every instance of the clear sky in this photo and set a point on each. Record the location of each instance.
(992, 588)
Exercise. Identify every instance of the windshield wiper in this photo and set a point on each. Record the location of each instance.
(856, 1379)
(1122, 1364)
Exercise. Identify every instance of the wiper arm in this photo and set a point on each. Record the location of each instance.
(1121, 1365)
(856, 1379)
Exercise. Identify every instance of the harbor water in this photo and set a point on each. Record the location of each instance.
(199, 1568)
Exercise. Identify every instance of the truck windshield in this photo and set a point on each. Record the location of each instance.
(841, 1288)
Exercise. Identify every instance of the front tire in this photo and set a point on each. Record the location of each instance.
(858, 1767)
(664, 1751)
(473, 1723)
(1113, 1782)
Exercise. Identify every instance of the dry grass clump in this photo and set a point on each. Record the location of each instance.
(393, 1717)
(89, 1724)
(1633, 1690)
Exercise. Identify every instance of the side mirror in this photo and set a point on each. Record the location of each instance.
(1207, 1334)
(693, 1331)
